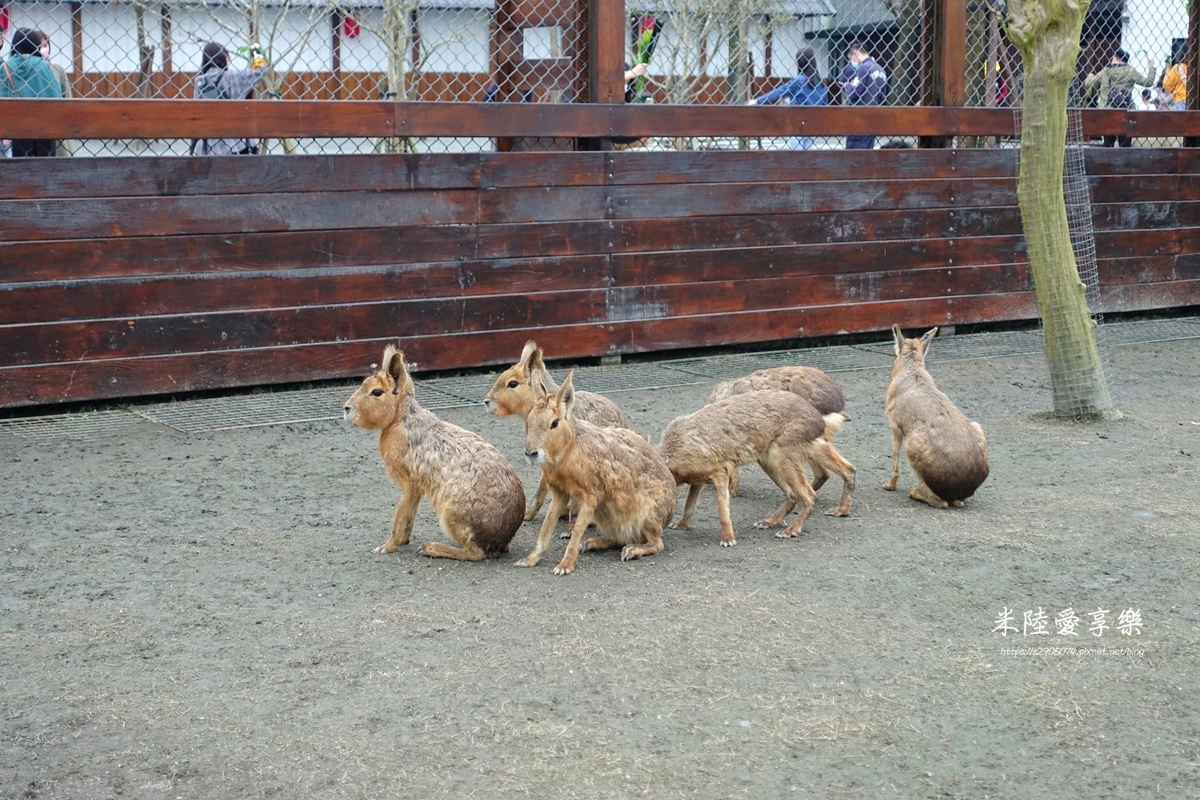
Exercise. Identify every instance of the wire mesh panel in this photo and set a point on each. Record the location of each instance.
(1074, 381)
(683, 52)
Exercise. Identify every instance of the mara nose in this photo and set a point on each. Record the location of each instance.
(531, 453)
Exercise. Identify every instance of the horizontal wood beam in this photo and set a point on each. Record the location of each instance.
(186, 119)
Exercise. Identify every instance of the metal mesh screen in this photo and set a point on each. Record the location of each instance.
(693, 52)
(1071, 386)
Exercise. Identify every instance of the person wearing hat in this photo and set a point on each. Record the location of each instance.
(1115, 83)
(27, 74)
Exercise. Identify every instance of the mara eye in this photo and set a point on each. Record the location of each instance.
(554, 425)
(377, 393)
(513, 384)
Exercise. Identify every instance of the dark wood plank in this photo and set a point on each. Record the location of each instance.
(185, 119)
(1143, 243)
(1148, 269)
(507, 206)
(220, 253)
(1129, 216)
(737, 231)
(748, 166)
(781, 293)
(168, 177)
(828, 261)
(202, 331)
(514, 170)
(142, 296)
(24, 220)
(1143, 188)
(1149, 296)
(1140, 160)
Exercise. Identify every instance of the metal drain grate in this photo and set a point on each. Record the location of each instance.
(269, 408)
(1158, 330)
(1000, 344)
(82, 425)
(248, 411)
(829, 359)
(631, 377)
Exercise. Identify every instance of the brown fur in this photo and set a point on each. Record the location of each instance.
(779, 430)
(808, 382)
(516, 391)
(617, 477)
(475, 492)
(947, 451)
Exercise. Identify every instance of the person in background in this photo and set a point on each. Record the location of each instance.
(217, 82)
(27, 74)
(64, 147)
(1115, 83)
(806, 89)
(864, 83)
(1174, 80)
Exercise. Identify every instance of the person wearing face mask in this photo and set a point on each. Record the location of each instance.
(864, 83)
(65, 146)
(27, 74)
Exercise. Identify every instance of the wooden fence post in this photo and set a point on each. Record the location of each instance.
(944, 71)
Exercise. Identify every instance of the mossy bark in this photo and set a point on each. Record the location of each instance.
(1047, 34)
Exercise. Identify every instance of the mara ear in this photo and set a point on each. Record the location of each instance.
(393, 365)
(526, 354)
(535, 370)
(539, 388)
(927, 338)
(898, 335)
(565, 399)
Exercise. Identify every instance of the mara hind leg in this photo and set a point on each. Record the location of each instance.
(463, 535)
(820, 475)
(468, 552)
(807, 498)
(897, 442)
(926, 495)
(651, 543)
(772, 463)
(735, 481)
(826, 457)
(689, 506)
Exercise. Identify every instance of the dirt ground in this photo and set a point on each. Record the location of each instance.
(201, 616)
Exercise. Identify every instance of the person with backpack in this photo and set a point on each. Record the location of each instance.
(1115, 83)
(27, 74)
(217, 82)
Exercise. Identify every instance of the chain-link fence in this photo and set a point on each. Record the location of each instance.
(808, 52)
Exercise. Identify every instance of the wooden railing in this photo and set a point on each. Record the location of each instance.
(186, 119)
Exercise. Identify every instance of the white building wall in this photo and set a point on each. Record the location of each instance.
(1149, 27)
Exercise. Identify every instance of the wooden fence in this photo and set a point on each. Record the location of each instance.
(132, 276)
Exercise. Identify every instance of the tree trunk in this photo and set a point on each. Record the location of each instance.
(1047, 33)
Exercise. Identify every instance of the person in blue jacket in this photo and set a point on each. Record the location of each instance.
(27, 74)
(864, 83)
(806, 89)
